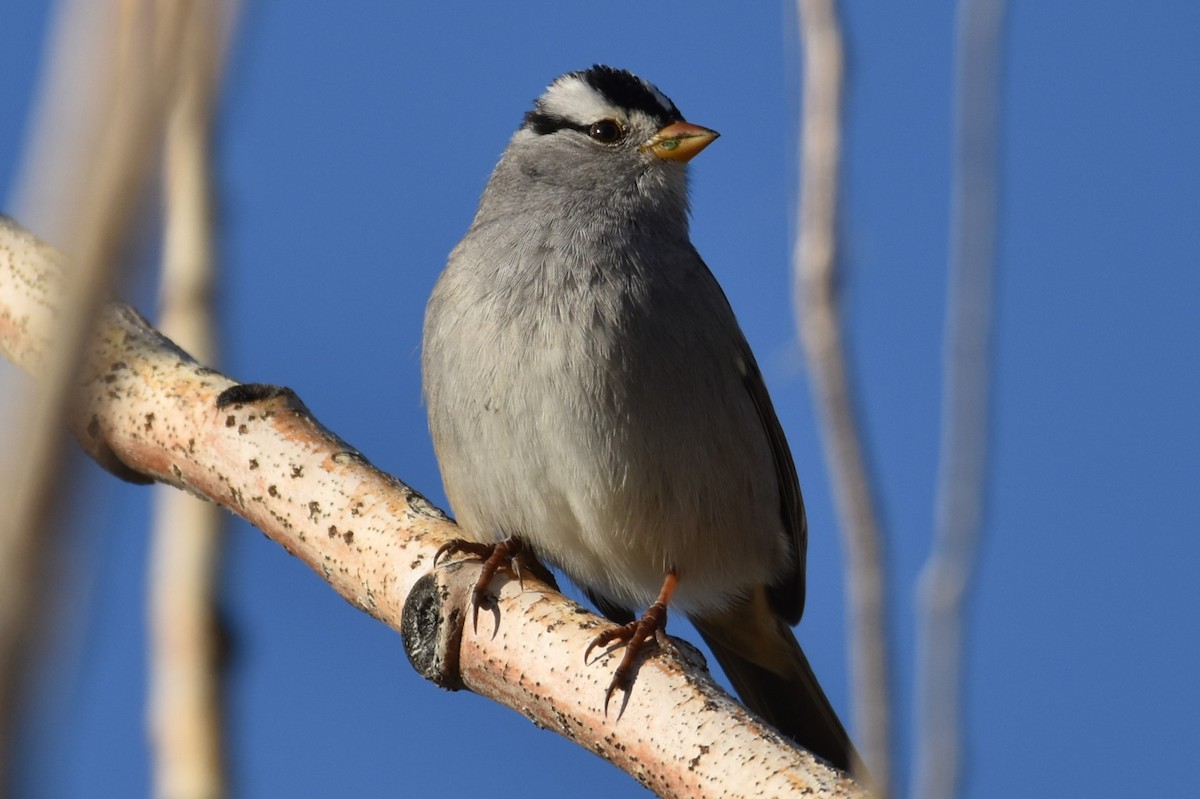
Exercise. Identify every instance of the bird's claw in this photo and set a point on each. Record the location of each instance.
(502, 554)
(634, 635)
(457, 546)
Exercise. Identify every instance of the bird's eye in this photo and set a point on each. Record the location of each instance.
(606, 131)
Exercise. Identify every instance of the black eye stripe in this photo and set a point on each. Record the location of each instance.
(607, 131)
(542, 123)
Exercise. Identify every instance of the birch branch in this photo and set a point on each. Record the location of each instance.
(820, 329)
(146, 409)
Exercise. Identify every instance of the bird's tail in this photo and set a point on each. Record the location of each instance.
(768, 669)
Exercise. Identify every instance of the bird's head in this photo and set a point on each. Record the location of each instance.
(605, 135)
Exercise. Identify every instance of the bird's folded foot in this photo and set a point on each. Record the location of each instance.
(635, 635)
(509, 554)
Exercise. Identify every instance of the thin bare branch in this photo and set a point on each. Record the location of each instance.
(108, 192)
(185, 707)
(820, 329)
(966, 370)
(146, 409)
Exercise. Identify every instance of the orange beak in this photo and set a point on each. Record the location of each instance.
(679, 141)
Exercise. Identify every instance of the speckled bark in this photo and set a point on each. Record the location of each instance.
(147, 410)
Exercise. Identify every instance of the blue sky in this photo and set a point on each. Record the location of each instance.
(353, 143)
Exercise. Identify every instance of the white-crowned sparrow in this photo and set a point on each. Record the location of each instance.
(591, 395)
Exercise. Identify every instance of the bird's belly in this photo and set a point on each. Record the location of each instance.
(615, 487)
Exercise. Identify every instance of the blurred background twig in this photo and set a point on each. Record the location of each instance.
(946, 578)
(137, 74)
(820, 330)
(185, 670)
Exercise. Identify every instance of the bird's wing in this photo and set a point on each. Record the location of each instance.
(787, 595)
